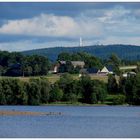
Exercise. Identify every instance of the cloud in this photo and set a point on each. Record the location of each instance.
(50, 25)
(90, 23)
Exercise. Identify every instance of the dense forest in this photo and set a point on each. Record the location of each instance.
(126, 52)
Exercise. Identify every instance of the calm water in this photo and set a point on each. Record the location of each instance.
(75, 122)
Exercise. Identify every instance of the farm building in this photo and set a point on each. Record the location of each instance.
(128, 70)
(80, 64)
(74, 63)
(133, 67)
(125, 75)
(62, 64)
(106, 70)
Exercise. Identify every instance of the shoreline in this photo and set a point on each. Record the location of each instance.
(72, 104)
(79, 104)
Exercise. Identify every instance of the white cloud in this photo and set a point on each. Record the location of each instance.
(50, 25)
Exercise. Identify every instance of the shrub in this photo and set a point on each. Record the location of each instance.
(116, 99)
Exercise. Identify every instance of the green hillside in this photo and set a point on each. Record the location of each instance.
(127, 52)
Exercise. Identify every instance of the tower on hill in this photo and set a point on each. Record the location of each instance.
(80, 42)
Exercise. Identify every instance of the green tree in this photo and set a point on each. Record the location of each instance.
(2, 96)
(136, 90)
(66, 83)
(45, 90)
(100, 90)
(129, 89)
(34, 94)
(36, 69)
(122, 82)
(7, 91)
(115, 61)
(19, 95)
(64, 56)
(1, 70)
(112, 84)
(28, 70)
(56, 93)
(87, 90)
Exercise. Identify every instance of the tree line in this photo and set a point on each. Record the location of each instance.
(38, 91)
(16, 64)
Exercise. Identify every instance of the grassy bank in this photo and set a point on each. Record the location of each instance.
(52, 78)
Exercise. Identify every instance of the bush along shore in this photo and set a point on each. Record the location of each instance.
(39, 91)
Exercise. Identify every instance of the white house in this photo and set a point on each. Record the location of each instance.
(125, 75)
(106, 70)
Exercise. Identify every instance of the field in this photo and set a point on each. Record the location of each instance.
(54, 77)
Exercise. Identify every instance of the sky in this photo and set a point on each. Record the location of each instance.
(34, 25)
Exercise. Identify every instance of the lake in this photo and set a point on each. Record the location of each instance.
(75, 122)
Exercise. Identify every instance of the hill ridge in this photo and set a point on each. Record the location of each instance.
(127, 52)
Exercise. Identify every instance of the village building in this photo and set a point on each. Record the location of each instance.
(128, 70)
(132, 67)
(80, 64)
(75, 64)
(106, 70)
(125, 75)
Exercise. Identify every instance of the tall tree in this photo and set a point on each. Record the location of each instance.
(87, 90)
(115, 61)
(112, 84)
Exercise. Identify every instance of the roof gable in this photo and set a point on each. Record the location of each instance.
(104, 69)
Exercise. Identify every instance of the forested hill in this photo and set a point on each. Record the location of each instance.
(127, 52)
